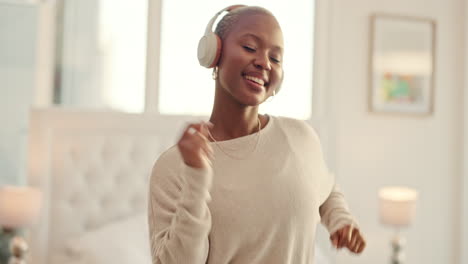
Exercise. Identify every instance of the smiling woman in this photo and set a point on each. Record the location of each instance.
(177, 57)
(255, 37)
(245, 187)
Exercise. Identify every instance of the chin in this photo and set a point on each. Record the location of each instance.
(253, 100)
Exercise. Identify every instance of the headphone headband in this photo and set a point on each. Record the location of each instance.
(209, 27)
(209, 46)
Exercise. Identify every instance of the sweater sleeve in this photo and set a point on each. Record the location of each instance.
(178, 215)
(334, 211)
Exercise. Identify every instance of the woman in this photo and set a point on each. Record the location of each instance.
(245, 188)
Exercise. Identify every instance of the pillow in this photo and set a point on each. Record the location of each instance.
(120, 242)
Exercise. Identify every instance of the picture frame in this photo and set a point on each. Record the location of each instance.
(402, 64)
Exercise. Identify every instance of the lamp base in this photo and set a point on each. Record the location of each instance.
(18, 249)
(14, 260)
(398, 254)
(6, 234)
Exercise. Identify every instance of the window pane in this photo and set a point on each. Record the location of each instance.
(103, 55)
(187, 88)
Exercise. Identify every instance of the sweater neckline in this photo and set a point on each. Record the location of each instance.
(247, 138)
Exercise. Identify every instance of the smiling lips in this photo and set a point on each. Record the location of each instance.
(257, 81)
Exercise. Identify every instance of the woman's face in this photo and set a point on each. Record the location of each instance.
(250, 67)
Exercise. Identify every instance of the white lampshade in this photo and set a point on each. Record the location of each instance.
(19, 206)
(397, 205)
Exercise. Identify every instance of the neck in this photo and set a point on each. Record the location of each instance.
(233, 120)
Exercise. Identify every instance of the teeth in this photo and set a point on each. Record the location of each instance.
(255, 79)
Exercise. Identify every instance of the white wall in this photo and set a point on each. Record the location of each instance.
(17, 79)
(23, 70)
(464, 185)
(373, 150)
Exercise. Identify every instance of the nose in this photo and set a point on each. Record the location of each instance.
(262, 61)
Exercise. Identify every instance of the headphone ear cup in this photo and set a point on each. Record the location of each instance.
(281, 82)
(278, 89)
(209, 50)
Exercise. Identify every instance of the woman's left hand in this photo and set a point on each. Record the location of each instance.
(350, 237)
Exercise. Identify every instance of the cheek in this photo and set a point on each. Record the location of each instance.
(230, 56)
(230, 67)
(235, 62)
(278, 76)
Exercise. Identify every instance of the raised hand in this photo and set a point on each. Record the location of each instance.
(349, 237)
(194, 145)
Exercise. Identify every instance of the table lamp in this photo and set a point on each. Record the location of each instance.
(397, 206)
(19, 208)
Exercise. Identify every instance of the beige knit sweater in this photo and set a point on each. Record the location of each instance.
(257, 208)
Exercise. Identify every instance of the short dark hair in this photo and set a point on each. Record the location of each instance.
(231, 18)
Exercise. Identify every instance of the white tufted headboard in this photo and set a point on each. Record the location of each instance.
(93, 169)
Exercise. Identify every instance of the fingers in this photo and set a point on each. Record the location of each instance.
(201, 127)
(343, 237)
(204, 129)
(357, 242)
(353, 239)
(361, 247)
(191, 130)
(201, 140)
(350, 238)
(194, 145)
(194, 129)
(350, 232)
(334, 240)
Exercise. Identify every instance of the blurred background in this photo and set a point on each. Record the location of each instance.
(76, 72)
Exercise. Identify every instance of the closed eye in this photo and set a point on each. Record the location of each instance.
(249, 49)
(275, 60)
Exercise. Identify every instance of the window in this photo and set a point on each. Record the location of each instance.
(102, 55)
(186, 88)
(104, 61)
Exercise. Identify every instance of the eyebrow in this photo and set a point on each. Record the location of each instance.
(260, 40)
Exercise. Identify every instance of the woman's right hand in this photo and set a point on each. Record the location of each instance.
(194, 145)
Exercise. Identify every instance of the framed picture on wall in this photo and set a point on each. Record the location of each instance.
(402, 64)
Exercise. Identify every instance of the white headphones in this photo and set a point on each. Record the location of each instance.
(209, 46)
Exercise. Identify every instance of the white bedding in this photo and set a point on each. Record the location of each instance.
(121, 242)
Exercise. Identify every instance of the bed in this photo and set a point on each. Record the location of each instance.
(93, 169)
